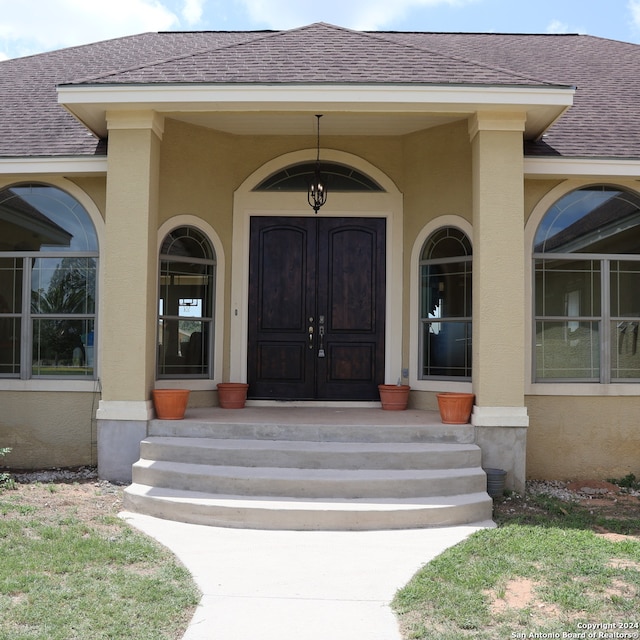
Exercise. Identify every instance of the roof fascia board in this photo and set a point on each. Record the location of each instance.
(279, 94)
(53, 165)
(542, 168)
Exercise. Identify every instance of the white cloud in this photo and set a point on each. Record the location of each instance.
(192, 11)
(356, 14)
(31, 26)
(555, 26)
(634, 9)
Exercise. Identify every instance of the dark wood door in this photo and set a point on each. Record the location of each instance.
(316, 308)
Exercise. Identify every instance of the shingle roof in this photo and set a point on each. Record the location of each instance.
(319, 53)
(602, 122)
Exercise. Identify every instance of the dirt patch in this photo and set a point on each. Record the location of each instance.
(91, 501)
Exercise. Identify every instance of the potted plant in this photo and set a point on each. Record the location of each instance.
(455, 408)
(394, 397)
(170, 404)
(232, 395)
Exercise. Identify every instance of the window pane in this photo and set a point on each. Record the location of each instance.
(63, 347)
(185, 287)
(567, 350)
(446, 349)
(570, 288)
(449, 242)
(183, 347)
(592, 220)
(446, 290)
(625, 289)
(10, 285)
(625, 361)
(10, 346)
(339, 178)
(63, 285)
(44, 218)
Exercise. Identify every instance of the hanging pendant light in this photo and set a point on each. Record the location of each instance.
(317, 194)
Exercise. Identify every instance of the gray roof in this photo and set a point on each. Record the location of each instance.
(602, 122)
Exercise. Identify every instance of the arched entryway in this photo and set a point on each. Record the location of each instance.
(315, 315)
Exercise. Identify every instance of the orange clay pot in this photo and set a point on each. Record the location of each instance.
(455, 408)
(170, 404)
(232, 395)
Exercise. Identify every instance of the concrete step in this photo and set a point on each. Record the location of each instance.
(260, 512)
(309, 483)
(314, 432)
(310, 455)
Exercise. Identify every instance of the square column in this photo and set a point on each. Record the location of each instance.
(128, 299)
(499, 416)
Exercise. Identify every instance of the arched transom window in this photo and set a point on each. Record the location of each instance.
(48, 274)
(445, 305)
(339, 177)
(587, 282)
(185, 305)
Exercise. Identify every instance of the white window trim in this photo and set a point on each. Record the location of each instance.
(448, 220)
(562, 388)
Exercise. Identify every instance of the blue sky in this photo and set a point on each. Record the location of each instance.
(33, 26)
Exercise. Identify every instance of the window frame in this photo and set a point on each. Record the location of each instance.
(603, 320)
(27, 316)
(423, 321)
(208, 320)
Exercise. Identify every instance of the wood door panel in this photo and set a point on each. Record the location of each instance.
(282, 279)
(351, 280)
(328, 273)
(351, 362)
(281, 362)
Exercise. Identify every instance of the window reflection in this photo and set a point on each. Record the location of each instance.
(445, 303)
(185, 311)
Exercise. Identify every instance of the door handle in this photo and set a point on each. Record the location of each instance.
(310, 337)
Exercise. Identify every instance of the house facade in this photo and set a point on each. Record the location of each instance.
(481, 233)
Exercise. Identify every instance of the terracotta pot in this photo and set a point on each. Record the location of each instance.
(455, 408)
(170, 404)
(394, 397)
(232, 395)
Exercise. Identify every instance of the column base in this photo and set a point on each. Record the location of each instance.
(501, 434)
(121, 427)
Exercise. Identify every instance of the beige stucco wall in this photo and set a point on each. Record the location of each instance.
(583, 437)
(199, 170)
(48, 429)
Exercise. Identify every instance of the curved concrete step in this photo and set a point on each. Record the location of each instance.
(316, 432)
(309, 483)
(259, 512)
(311, 455)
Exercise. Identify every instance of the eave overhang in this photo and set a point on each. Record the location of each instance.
(279, 109)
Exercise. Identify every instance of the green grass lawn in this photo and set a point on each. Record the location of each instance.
(546, 569)
(69, 571)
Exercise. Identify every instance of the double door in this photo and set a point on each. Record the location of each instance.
(316, 308)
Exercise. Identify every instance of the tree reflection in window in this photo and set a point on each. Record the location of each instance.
(47, 239)
(587, 278)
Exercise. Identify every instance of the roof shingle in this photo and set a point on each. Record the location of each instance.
(602, 122)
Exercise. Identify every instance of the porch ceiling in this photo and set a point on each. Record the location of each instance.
(288, 109)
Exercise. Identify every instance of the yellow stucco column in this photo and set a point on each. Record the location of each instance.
(500, 416)
(128, 297)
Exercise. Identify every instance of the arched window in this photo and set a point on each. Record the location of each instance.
(445, 305)
(185, 307)
(338, 177)
(587, 288)
(48, 268)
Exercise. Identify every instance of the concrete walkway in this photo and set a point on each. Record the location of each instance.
(291, 585)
